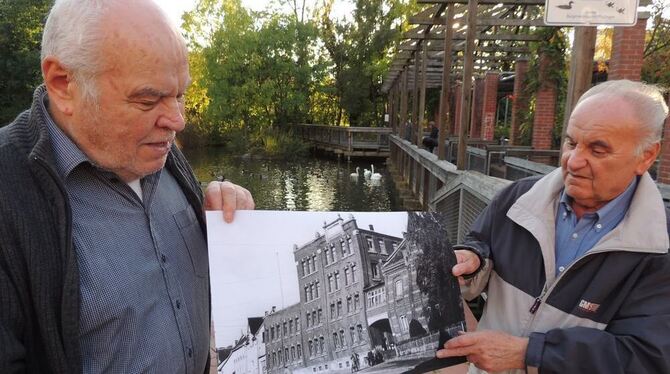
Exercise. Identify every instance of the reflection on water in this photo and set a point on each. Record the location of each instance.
(316, 184)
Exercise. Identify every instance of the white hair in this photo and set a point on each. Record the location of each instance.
(647, 101)
(73, 34)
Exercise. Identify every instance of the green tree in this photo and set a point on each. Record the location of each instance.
(21, 25)
(656, 66)
(359, 51)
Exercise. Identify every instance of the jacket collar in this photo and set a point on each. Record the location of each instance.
(643, 229)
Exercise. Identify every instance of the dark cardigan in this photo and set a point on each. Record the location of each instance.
(39, 276)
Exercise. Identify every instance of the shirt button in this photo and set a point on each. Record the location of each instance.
(561, 268)
(575, 236)
(163, 258)
(599, 226)
(178, 304)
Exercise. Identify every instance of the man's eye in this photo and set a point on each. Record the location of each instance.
(147, 104)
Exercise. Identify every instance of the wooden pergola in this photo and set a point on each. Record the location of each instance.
(454, 39)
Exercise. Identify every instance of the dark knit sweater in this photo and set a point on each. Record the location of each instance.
(39, 276)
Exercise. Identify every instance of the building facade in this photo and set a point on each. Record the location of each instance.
(248, 353)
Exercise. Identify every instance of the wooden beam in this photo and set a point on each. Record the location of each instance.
(487, 2)
(488, 21)
(468, 63)
(422, 99)
(581, 69)
(445, 93)
(503, 37)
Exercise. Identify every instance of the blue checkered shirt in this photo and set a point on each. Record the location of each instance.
(143, 268)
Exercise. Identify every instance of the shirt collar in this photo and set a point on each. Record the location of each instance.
(68, 155)
(617, 207)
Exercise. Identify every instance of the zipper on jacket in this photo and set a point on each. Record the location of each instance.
(538, 300)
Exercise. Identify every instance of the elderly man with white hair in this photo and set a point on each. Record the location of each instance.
(103, 258)
(575, 264)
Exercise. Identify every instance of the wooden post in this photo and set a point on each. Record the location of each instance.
(422, 95)
(581, 70)
(445, 94)
(391, 109)
(467, 81)
(415, 92)
(403, 103)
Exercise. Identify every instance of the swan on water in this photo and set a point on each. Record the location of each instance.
(374, 175)
(355, 175)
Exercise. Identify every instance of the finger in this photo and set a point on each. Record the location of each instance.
(453, 352)
(464, 340)
(229, 198)
(246, 201)
(213, 198)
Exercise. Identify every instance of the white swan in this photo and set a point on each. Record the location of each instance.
(366, 173)
(374, 175)
(355, 175)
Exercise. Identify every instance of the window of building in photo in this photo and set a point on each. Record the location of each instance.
(374, 266)
(332, 254)
(353, 273)
(319, 316)
(332, 311)
(349, 304)
(330, 282)
(382, 246)
(311, 348)
(359, 330)
(337, 280)
(325, 255)
(314, 263)
(339, 308)
(398, 289)
(357, 301)
(349, 244)
(308, 318)
(314, 317)
(346, 276)
(335, 340)
(343, 248)
(376, 297)
(371, 247)
(404, 325)
(299, 351)
(297, 324)
(342, 341)
(285, 328)
(272, 333)
(292, 353)
(290, 327)
(317, 289)
(352, 334)
(286, 354)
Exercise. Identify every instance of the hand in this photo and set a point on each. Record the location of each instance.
(227, 197)
(467, 262)
(491, 351)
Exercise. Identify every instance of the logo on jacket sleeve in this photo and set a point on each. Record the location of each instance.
(588, 306)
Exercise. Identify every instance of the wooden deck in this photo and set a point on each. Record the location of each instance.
(347, 141)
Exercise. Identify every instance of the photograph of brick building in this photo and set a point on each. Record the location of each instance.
(359, 305)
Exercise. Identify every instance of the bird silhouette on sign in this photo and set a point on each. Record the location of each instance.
(566, 6)
(621, 10)
(610, 5)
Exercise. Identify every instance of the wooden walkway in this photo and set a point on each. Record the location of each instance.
(347, 141)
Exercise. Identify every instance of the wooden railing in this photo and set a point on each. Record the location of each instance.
(348, 141)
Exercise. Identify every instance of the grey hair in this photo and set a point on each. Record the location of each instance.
(72, 34)
(647, 101)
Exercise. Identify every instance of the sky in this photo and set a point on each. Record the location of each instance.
(252, 266)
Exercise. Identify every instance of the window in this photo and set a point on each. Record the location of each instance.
(317, 289)
(309, 265)
(314, 317)
(322, 343)
(299, 351)
(349, 304)
(304, 270)
(339, 308)
(359, 329)
(398, 289)
(353, 273)
(292, 353)
(382, 247)
(325, 255)
(404, 326)
(335, 340)
(285, 354)
(330, 282)
(346, 276)
(343, 249)
(376, 297)
(308, 319)
(279, 357)
(342, 343)
(319, 316)
(285, 328)
(311, 348)
(314, 263)
(272, 332)
(375, 269)
(357, 301)
(371, 247)
(274, 359)
(311, 291)
(352, 334)
(306, 293)
(290, 326)
(337, 280)
(349, 243)
(297, 325)
(332, 311)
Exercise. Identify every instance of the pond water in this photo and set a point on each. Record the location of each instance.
(315, 183)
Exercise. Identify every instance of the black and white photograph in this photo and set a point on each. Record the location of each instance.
(329, 292)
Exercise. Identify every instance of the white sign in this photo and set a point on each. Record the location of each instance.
(590, 12)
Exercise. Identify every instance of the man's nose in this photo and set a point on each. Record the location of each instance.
(576, 159)
(172, 116)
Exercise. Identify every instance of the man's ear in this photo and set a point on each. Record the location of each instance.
(59, 83)
(647, 158)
